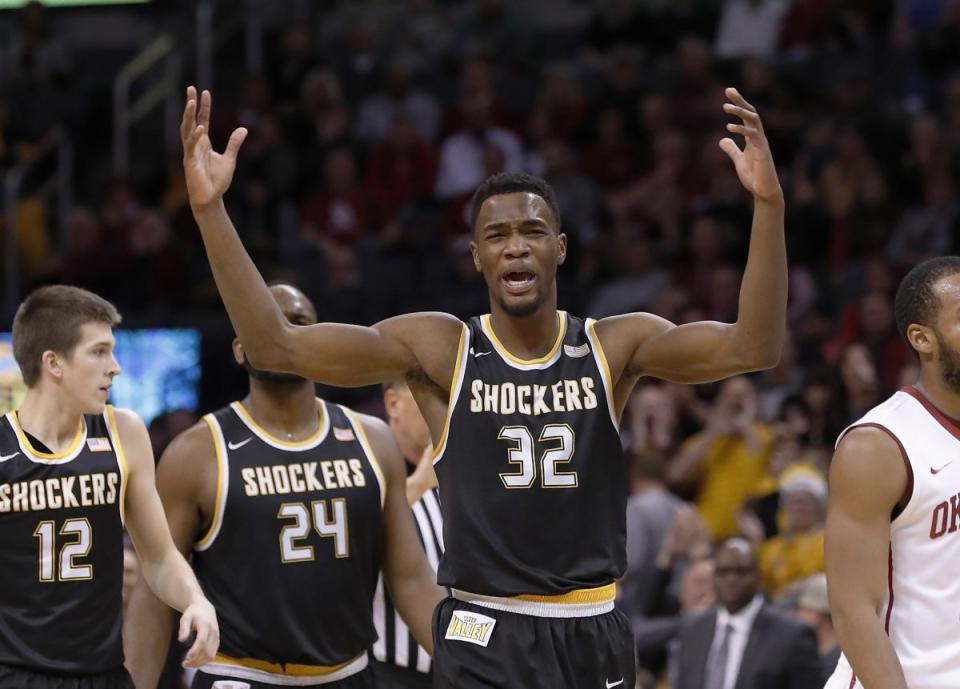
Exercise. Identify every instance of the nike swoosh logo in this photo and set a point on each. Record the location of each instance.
(614, 684)
(478, 354)
(4, 458)
(937, 471)
(237, 446)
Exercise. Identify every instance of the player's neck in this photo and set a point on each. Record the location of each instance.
(48, 419)
(940, 395)
(288, 412)
(527, 337)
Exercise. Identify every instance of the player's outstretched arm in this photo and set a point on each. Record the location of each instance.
(187, 467)
(332, 353)
(164, 569)
(642, 344)
(867, 480)
(407, 574)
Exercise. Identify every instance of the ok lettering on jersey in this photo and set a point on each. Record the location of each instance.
(946, 517)
(62, 492)
(303, 477)
(533, 400)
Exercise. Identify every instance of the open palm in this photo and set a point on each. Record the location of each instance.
(208, 173)
(754, 164)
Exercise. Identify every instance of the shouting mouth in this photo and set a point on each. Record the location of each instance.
(518, 281)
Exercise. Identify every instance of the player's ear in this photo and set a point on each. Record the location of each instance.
(921, 338)
(476, 256)
(562, 254)
(237, 351)
(390, 402)
(51, 362)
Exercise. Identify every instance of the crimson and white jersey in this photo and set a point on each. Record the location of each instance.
(922, 611)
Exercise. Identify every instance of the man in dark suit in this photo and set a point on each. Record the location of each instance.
(745, 643)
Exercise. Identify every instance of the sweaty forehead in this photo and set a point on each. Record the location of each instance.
(514, 207)
(293, 303)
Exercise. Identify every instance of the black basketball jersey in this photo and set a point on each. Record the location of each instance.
(532, 475)
(291, 558)
(61, 549)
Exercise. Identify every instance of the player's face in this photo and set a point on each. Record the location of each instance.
(947, 330)
(517, 248)
(406, 417)
(87, 372)
(736, 576)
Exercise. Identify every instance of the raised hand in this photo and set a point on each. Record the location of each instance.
(754, 164)
(208, 173)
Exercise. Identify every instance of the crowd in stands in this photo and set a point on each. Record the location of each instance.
(372, 122)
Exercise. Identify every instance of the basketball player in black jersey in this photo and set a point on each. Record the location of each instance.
(290, 505)
(73, 471)
(523, 406)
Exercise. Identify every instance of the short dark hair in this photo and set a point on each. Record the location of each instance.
(916, 302)
(50, 319)
(512, 183)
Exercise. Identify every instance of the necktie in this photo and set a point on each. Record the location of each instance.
(717, 668)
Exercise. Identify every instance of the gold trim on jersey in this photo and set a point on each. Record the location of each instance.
(114, 431)
(455, 384)
(601, 358)
(288, 669)
(505, 353)
(322, 428)
(216, 520)
(601, 594)
(364, 441)
(27, 447)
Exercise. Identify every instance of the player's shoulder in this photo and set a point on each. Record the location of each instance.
(423, 324)
(869, 467)
(196, 442)
(125, 418)
(639, 325)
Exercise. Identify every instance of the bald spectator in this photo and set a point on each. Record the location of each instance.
(745, 643)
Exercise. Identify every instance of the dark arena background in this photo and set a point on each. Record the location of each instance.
(372, 122)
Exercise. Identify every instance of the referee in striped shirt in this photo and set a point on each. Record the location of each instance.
(399, 662)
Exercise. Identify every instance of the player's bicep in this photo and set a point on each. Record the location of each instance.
(353, 355)
(182, 472)
(144, 513)
(691, 353)
(868, 478)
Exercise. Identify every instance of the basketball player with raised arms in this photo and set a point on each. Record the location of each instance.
(523, 405)
(290, 505)
(893, 517)
(73, 471)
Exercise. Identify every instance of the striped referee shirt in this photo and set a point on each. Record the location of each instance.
(396, 644)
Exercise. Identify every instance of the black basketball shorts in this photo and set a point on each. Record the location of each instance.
(485, 642)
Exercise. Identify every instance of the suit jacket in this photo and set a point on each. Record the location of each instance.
(781, 653)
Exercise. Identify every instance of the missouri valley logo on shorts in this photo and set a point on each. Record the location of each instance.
(471, 627)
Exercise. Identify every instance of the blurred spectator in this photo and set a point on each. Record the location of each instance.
(650, 512)
(35, 54)
(337, 210)
(797, 551)
(398, 99)
(749, 28)
(652, 420)
(928, 230)
(462, 155)
(639, 281)
(401, 169)
(813, 608)
(726, 462)
(745, 643)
